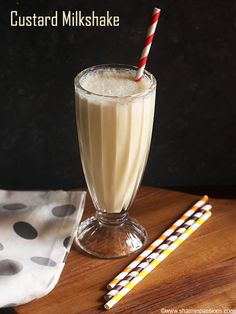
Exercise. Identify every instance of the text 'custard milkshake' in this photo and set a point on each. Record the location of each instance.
(114, 119)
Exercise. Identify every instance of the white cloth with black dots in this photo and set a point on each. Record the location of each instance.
(36, 233)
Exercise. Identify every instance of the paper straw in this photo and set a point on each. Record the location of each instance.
(157, 252)
(158, 241)
(157, 261)
(147, 44)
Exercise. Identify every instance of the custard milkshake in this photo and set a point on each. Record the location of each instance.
(114, 121)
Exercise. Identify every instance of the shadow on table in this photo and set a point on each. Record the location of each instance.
(8, 310)
(211, 191)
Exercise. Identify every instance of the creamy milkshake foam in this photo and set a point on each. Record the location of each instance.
(114, 134)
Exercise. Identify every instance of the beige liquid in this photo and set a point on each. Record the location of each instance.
(114, 136)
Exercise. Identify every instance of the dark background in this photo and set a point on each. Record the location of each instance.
(193, 58)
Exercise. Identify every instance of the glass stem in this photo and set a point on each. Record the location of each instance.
(112, 219)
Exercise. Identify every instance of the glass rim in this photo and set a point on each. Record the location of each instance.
(147, 74)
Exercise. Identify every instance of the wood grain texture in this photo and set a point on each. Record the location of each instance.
(200, 274)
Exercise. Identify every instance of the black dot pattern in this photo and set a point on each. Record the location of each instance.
(66, 242)
(35, 237)
(14, 206)
(25, 230)
(9, 267)
(64, 210)
(44, 261)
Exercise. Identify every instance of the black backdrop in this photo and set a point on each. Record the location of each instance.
(193, 58)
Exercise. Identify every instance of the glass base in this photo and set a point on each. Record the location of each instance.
(110, 235)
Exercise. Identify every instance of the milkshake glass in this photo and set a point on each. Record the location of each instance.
(114, 116)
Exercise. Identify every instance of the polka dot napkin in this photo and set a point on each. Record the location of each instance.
(36, 233)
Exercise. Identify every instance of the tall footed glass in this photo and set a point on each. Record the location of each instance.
(114, 125)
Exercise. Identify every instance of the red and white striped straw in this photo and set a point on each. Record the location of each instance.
(147, 44)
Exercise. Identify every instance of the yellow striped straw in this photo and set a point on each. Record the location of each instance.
(158, 241)
(157, 261)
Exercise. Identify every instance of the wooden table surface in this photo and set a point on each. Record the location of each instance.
(200, 274)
